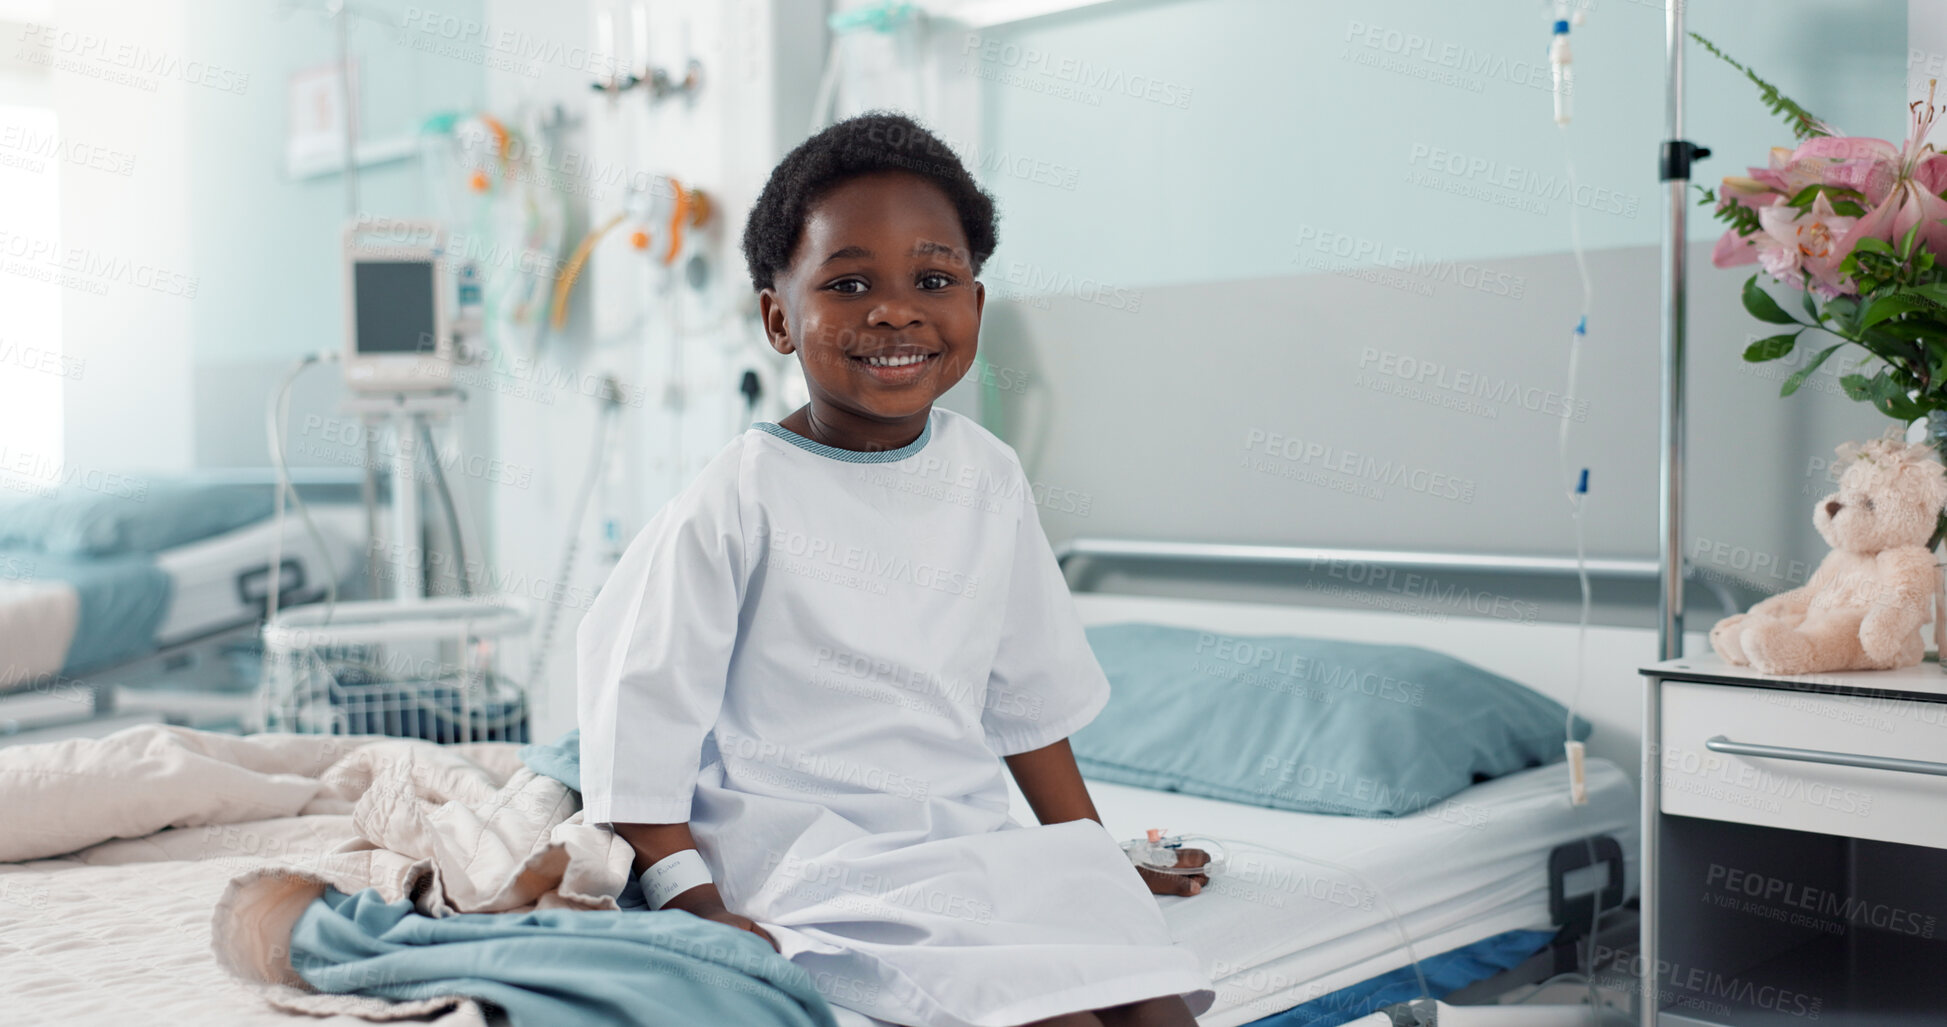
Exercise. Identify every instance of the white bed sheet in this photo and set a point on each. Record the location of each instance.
(1276, 932)
(203, 595)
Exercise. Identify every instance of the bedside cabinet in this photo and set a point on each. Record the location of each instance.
(1794, 863)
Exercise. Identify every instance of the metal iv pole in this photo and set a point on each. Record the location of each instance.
(1675, 174)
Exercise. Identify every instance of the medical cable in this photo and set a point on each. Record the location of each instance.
(446, 501)
(544, 641)
(277, 416)
(1560, 58)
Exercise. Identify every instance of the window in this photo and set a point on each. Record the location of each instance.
(33, 371)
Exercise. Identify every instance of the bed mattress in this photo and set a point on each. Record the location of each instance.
(1276, 932)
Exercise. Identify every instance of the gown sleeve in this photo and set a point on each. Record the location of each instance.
(653, 655)
(1045, 683)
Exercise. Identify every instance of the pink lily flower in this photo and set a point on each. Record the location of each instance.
(1917, 175)
(1796, 246)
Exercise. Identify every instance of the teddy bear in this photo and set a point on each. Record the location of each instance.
(1863, 608)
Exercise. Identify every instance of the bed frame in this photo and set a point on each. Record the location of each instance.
(96, 689)
(1310, 557)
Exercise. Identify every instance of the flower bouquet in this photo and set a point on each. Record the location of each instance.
(1858, 227)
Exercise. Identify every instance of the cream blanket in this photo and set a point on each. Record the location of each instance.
(457, 829)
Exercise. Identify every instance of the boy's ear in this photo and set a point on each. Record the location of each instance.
(777, 329)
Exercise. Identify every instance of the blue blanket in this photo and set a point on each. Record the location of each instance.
(123, 599)
(556, 967)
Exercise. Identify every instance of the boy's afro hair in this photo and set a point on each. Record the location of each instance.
(873, 141)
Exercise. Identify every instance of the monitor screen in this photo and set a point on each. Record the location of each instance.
(395, 306)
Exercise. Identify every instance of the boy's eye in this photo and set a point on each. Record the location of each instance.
(940, 281)
(843, 285)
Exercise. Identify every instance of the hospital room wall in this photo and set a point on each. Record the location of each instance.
(760, 58)
(206, 268)
(267, 246)
(1157, 273)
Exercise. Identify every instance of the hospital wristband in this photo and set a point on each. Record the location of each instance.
(673, 875)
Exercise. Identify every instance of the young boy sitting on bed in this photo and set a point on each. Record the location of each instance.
(799, 686)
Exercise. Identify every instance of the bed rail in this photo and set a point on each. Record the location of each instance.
(1312, 557)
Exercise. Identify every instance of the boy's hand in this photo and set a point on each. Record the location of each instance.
(1178, 884)
(740, 922)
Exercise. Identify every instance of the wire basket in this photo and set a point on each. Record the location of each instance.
(427, 669)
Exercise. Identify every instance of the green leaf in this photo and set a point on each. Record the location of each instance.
(1935, 294)
(1805, 197)
(1899, 407)
(1890, 306)
(1798, 377)
(1873, 244)
(1848, 208)
(1772, 348)
(1906, 243)
(1910, 331)
(1763, 307)
(1879, 387)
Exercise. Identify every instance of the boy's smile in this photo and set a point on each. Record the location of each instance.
(881, 305)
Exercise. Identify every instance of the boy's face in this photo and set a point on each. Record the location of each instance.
(880, 300)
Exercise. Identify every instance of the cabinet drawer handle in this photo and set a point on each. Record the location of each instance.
(1841, 759)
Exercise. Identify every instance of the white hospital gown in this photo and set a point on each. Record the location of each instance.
(817, 658)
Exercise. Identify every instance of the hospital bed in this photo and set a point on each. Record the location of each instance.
(79, 631)
(1483, 871)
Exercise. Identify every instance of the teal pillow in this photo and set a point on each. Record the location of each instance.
(1307, 724)
(107, 515)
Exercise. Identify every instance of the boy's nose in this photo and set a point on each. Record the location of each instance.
(1833, 507)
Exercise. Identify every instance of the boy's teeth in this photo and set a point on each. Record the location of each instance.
(913, 358)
